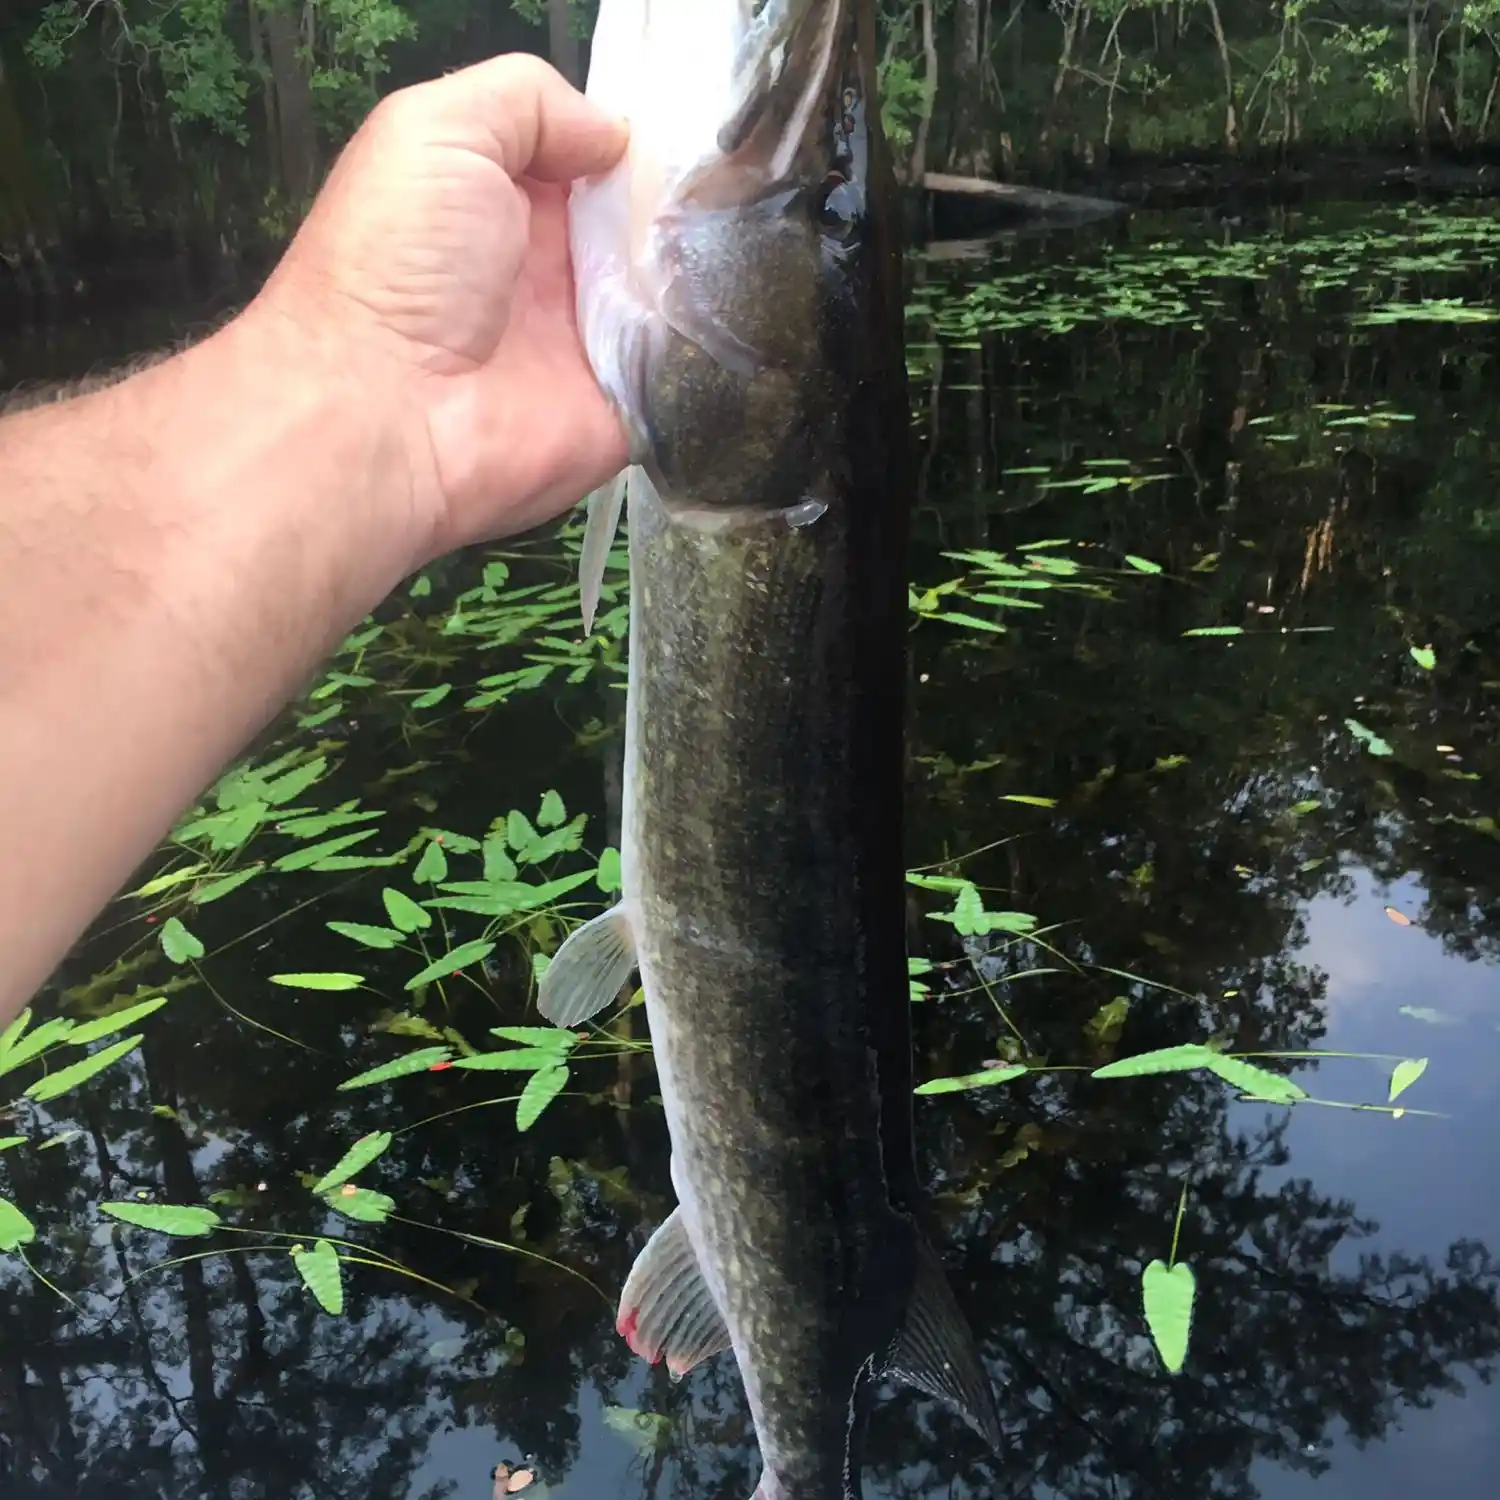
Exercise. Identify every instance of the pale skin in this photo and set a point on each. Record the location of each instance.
(180, 551)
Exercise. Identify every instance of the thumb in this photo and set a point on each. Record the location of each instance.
(527, 118)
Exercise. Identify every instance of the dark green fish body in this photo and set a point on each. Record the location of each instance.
(763, 895)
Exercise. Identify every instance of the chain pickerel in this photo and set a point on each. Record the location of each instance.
(739, 293)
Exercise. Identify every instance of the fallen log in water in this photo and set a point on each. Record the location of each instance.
(954, 206)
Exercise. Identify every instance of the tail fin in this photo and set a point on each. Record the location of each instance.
(936, 1352)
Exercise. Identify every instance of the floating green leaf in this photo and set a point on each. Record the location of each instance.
(1167, 1293)
(432, 697)
(364, 1204)
(413, 1062)
(321, 1275)
(215, 889)
(554, 1038)
(1301, 809)
(178, 943)
(1371, 741)
(1425, 657)
(169, 880)
(312, 854)
(1260, 1082)
(328, 981)
(433, 865)
(50, 1085)
(404, 913)
(553, 813)
(15, 1228)
(516, 1060)
(1181, 1059)
(541, 1089)
(645, 1431)
(451, 963)
(371, 937)
(8, 1142)
(165, 1218)
(1406, 1073)
(609, 871)
(354, 1160)
(116, 1020)
(1216, 630)
(978, 1080)
(1143, 564)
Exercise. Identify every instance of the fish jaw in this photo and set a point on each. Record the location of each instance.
(718, 214)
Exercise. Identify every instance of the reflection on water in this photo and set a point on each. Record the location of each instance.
(1210, 848)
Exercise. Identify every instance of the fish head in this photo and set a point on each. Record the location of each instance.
(730, 324)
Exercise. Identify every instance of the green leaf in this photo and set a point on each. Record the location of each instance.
(1216, 630)
(971, 622)
(1301, 809)
(8, 1142)
(421, 587)
(48, 1034)
(433, 865)
(520, 832)
(1167, 1294)
(12, 1033)
(15, 1228)
(451, 963)
(167, 881)
(1371, 741)
(433, 696)
(1425, 657)
(1143, 564)
(1406, 1073)
(413, 1062)
(52, 1084)
(609, 871)
(498, 865)
(541, 1089)
(1029, 801)
(968, 910)
(405, 914)
(322, 981)
(552, 813)
(165, 1218)
(371, 937)
(364, 1204)
(291, 786)
(1260, 1082)
(354, 1160)
(320, 1273)
(1181, 1059)
(971, 1080)
(116, 1020)
(311, 854)
(519, 1059)
(556, 1038)
(645, 1431)
(321, 823)
(178, 943)
(217, 888)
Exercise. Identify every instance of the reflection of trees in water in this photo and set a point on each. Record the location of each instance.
(219, 1378)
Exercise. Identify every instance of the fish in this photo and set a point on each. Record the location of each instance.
(738, 292)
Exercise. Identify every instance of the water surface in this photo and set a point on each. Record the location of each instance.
(1281, 840)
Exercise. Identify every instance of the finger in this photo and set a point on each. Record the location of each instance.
(527, 117)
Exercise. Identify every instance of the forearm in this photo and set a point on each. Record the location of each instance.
(179, 551)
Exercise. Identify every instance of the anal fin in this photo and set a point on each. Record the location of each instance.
(588, 970)
(666, 1309)
(936, 1352)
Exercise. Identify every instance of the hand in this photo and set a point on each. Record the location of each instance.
(435, 265)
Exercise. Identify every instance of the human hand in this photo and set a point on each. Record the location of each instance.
(433, 272)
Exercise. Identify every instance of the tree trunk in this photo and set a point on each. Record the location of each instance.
(968, 152)
(929, 93)
(1231, 123)
(562, 45)
(261, 69)
(297, 131)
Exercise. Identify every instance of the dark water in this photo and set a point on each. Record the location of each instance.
(1225, 412)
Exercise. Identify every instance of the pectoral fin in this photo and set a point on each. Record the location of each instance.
(588, 970)
(936, 1352)
(666, 1309)
(605, 505)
